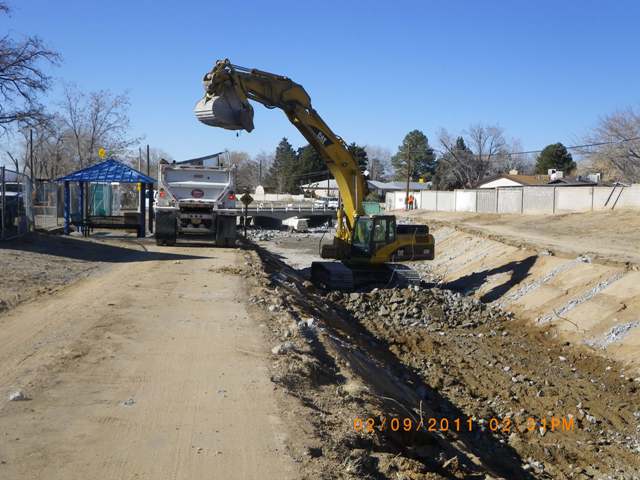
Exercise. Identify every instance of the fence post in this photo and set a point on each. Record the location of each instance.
(521, 200)
(4, 205)
(497, 193)
(593, 194)
(142, 232)
(554, 200)
(67, 208)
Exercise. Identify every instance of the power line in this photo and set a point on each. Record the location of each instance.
(586, 145)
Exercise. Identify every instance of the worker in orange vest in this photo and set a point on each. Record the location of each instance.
(410, 202)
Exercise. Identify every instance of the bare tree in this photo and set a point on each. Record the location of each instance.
(248, 170)
(619, 156)
(513, 159)
(476, 154)
(21, 77)
(137, 158)
(50, 155)
(96, 120)
(379, 162)
(264, 161)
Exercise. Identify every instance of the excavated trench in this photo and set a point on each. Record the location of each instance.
(426, 382)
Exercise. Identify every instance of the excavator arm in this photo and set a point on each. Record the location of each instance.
(228, 89)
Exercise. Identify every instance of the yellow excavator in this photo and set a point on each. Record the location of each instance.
(365, 245)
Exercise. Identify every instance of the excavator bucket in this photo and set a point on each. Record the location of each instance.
(226, 111)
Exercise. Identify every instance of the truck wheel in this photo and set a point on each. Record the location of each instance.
(225, 231)
(166, 228)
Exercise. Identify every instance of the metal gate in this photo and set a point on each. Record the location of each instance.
(16, 215)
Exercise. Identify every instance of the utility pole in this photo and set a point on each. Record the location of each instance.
(139, 159)
(31, 153)
(406, 197)
(148, 164)
(260, 172)
(3, 206)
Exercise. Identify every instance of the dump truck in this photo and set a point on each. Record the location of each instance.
(196, 200)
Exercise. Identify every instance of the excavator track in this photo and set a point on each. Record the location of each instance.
(348, 278)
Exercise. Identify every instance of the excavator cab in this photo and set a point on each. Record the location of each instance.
(370, 234)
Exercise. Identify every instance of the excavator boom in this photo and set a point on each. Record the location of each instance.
(225, 104)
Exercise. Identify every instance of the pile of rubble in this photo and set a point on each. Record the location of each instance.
(419, 306)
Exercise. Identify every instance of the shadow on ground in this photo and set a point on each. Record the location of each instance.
(93, 251)
(470, 283)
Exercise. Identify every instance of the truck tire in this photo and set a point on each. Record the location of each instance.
(225, 231)
(166, 228)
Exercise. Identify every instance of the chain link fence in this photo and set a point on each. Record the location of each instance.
(16, 214)
(48, 205)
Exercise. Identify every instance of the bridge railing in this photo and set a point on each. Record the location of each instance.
(295, 208)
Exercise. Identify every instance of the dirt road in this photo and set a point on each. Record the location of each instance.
(150, 369)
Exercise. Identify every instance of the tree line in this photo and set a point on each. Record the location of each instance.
(58, 139)
(52, 141)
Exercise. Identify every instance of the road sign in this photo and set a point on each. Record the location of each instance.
(102, 152)
(246, 199)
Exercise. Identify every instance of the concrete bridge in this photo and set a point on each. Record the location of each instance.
(273, 216)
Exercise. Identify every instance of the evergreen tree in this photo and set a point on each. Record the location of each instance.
(555, 156)
(360, 154)
(282, 173)
(415, 158)
(311, 166)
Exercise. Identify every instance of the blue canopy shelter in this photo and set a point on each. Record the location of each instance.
(109, 171)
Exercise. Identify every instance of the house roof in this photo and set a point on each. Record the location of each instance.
(108, 171)
(521, 179)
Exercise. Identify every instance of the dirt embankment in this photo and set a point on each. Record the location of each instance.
(572, 273)
(434, 360)
(606, 236)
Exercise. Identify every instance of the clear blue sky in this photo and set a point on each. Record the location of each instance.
(544, 70)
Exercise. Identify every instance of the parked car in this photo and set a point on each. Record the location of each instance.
(332, 203)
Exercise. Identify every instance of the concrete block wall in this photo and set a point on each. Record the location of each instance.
(574, 199)
(446, 201)
(396, 200)
(465, 200)
(510, 200)
(486, 200)
(528, 200)
(429, 200)
(629, 198)
(538, 200)
(603, 197)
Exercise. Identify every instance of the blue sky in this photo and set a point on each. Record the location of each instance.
(544, 70)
